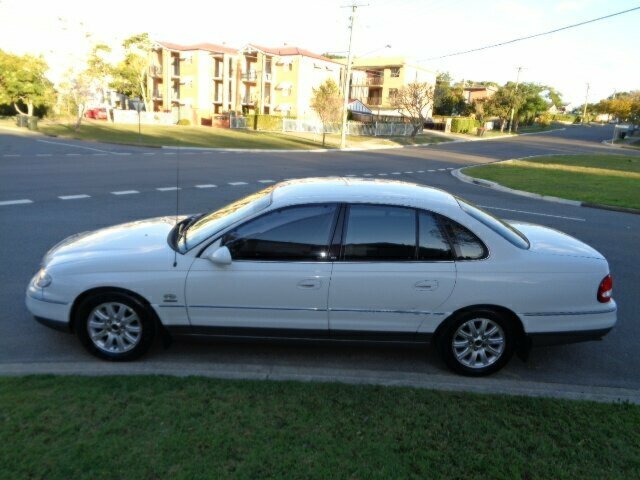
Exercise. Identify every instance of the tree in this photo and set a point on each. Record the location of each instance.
(23, 82)
(448, 98)
(326, 101)
(99, 70)
(130, 75)
(75, 95)
(415, 101)
(499, 105)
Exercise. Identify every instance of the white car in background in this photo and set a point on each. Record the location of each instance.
(333, 259)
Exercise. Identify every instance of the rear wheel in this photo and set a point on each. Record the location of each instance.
(477, 343)
(114, 326)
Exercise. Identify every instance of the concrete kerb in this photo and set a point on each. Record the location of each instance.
(441, 382)
(549, 198)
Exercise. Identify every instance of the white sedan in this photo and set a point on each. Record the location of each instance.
(336, 259)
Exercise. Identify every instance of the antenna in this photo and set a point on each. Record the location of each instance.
(175, 252)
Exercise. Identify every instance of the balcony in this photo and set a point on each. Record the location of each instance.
(155, 71)
(375, 101)
(246, 100)
(250, 76)
(267, 77)
(368, 82)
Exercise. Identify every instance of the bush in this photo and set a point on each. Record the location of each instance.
(184, 122)
(544, 119)
(265, 122)
(464, 125)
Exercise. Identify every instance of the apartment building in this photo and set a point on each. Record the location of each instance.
(375, 80)
(478, 92)
(281, 80)
(193, 81)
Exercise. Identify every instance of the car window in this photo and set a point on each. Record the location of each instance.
(433, 244)
(290, 234)
(508, 232)
(466, 244)
(380, 233)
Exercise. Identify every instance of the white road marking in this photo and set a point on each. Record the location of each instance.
(73, 197)
(366, 174)
(74, 146)
(420, 171)
(10, 155)
(382, 174)
(442, 169)
(98, 154)
(235, 184)
(266, 181)
(430, 170)
(408, 172)
(169, 153)
(450, 168)
(535, 213)
(121, 153)
(72, 154)
(148, 153)
(16, 202)
(43, 154)
(395, 173)
(350, 175)
(125, 192)
(208, 185)
(167, 189)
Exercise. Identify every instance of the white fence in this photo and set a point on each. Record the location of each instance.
(353, 128)
(238, 122)
(146, 118)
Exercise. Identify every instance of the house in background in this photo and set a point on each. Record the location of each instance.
(478, 92)
(375, 80)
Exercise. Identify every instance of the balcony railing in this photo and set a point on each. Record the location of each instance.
(246, 100)
(249, 76)
(374, 101)
(155, 71)
(368, 81)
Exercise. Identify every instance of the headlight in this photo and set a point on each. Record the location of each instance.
(43, 279)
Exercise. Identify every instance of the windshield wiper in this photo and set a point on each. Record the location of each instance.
(184, 225)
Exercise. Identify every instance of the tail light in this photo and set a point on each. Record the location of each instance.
(605, 289)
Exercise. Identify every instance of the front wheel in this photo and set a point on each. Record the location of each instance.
(477, 343)
(114, 326)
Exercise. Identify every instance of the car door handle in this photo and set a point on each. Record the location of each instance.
(426, 285)
(310, 283)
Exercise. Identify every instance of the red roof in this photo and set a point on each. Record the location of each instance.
(209, 47)
(284, 51)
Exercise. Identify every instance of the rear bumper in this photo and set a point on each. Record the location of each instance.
(543, 339)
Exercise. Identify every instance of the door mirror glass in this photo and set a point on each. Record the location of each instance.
(221, 256)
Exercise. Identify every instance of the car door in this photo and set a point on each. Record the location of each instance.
(278, 277)
(396, 269)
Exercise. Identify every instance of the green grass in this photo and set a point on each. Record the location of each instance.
(333, 140)
(187, 428)
(604, 179)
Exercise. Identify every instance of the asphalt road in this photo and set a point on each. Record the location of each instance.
(52, 188)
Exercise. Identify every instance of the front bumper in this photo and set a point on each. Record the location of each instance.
(49, 313)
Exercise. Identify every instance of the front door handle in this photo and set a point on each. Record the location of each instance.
(425, 285)
(309, 283)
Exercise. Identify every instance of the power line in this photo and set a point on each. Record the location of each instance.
(533, 36)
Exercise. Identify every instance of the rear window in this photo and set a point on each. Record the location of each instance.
(506, 231)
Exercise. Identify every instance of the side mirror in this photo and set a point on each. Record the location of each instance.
(221, 257)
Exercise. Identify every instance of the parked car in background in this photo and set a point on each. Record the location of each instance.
(334, 259)
(96, 113)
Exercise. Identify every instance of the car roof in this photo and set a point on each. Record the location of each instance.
(359, 190)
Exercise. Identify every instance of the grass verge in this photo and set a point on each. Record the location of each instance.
(165, 427)
(604, 179)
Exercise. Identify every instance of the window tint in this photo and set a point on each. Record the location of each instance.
(296, 233)
(467, 245)
(380, 233)
(433, 245)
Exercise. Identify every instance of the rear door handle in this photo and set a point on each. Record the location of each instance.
(426, 285)
(309, 283)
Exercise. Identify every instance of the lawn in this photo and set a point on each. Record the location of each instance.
(333, 140)
(184, 428)
(604, 179)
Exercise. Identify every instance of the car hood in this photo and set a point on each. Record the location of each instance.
(139, 238)
(550, 241)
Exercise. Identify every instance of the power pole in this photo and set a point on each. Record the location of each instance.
(347, 79)
(584, 110)
(513, 107)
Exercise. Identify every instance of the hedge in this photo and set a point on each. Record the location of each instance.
(265, 122)
(464, 124)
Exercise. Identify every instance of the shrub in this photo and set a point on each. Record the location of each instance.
(265, 122)
(544, 119)
(184, 122)
(464, 125)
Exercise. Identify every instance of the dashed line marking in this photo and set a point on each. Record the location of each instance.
(396, 173)
(235, 184)
(350, 175)
(169, 153)
(430, 170)
(420, 171)
(167, 189)
(207, 185)
(450, 168)
(266, 181)
(408, 172)
(121, 153)
(73, 197)
(442, 169)
(73, 154)
(382, 174)
(16, 202)
(148, 153)
(43, 154)
(366, 174)
(125, 192)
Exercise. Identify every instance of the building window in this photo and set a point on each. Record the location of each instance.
(393, 92)
(290, 67)
(395, 72)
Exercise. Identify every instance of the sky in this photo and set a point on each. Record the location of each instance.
(603, 54)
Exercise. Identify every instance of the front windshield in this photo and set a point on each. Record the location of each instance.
(508, 232)
(214, 222)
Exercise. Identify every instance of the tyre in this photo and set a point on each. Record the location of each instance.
(114, 326)
(477, 343)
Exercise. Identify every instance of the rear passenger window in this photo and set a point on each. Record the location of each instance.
(433, 244)
(466, 244)
(380, 233)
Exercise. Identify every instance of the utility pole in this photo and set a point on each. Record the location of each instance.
(513, 107)
(347, 79)
(584, 110)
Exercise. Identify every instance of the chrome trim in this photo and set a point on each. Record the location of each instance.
(242, 307)
(550, 314)
(367, 310)
(172, 306)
